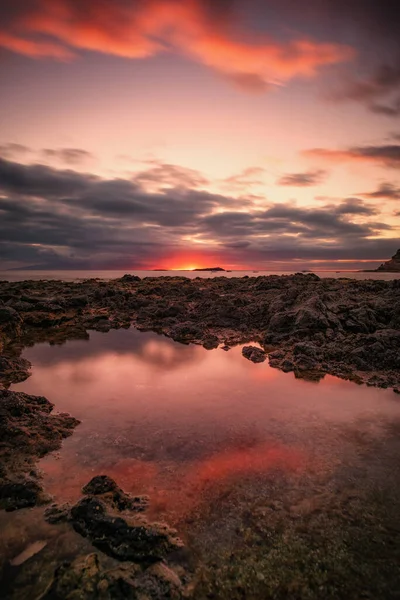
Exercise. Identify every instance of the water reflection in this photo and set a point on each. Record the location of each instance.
(176, 421)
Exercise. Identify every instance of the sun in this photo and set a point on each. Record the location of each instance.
(188, 268)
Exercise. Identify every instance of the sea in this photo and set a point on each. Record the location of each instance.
(69, 275)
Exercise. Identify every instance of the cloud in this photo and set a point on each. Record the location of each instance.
(70, 156)
(355, 206)
(387, 156)
(62, 218)
(138, 29)
(386, 190)
(163, 175)
(12, 150)
(376, 90)
(303, 179)
(249, 177)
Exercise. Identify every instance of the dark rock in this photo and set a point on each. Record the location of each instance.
(86, 579)
(392, 265)
(120, 538)
(22, 494)
(57, 514)
(254, 354)
(8, 314)
(101, 484)
(113, 495)
(14, 370)
(28, 431)
(211, 342)
(129, 278)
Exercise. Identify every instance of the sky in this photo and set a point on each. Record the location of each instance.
(247, 134)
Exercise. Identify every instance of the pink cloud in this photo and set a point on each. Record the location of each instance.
(141, 29)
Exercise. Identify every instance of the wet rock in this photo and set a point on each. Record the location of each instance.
(101, 484)
(86, 578)
(28, 431)
(337, 315)
(14, 370)
(211, 342)
(57, 514)
(254, 354)
(120, 538)
(19, 494)
(113, 495)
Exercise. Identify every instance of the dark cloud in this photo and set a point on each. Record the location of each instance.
(303, 179)
(355, 206)
(379, 91)
(70, 156)
(12, 150)
(385, 190)
(67, 219)
(387, 155)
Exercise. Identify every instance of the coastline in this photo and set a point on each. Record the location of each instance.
(301, 324)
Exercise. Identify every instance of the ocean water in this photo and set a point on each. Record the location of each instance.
(21, 275)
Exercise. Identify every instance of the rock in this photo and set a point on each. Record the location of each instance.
(211, 342)
(101, 484)
(14, 370)
(129, 278)
(113, 495)
(28, 431)
(85, 578)
(136, 541)
(19, 494)
(339, 316)
(57, 514)
(392, 265)
(8, 314)
(254, 354)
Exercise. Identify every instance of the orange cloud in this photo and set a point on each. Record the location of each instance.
(386, 156)
(142, 29)
(32, 48)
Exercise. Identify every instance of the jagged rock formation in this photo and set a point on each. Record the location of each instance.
(28, 431)
(392, 265)
(307, 325)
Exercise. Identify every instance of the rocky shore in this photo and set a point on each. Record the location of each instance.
(304, 324)
(300, 323)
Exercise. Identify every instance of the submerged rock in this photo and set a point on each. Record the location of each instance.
(113, 495)
(144, 549)
(120, 538)
(86, 579)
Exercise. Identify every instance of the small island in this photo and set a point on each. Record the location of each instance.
(210, 269)
(392, 265)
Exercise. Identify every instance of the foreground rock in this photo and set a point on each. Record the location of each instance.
(109, 518)
(307, 325)
(28, 431)
(392, 265)
(85, 579)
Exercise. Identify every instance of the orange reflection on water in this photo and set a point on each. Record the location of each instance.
(177, 422)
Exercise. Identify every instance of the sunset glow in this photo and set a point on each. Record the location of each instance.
(171, 134)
